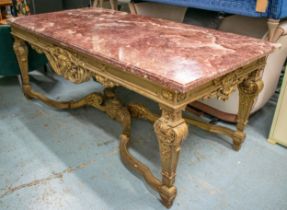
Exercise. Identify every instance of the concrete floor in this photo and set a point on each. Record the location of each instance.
(51, 159)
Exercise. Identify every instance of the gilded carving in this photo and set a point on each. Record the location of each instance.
(67, 64)
(95, 100)
(167, 95)
(248, 91)
(170, 130)
(21, 51)
(226, 86)
(181, 97)
(38, 49)
(140, 111)
(105, 82)
(71, 67)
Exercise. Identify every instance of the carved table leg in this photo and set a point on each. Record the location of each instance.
(21, 51)
(248, 91)
(170, 129)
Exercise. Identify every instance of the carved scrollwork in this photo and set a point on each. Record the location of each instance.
(226, 86)
(71, 67)
(37, 49)
(94, 100)
(250, 87)
(170, 129)
(140, 111)
(169, 135)
(168, 115)
(105, 82)
(65, 63)
(167, 95)
(181, 97)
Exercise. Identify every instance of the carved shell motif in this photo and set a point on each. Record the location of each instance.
(65, 63)
(70, 66)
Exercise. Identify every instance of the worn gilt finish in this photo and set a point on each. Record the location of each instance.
(65, 63)
(227, 86)
(248, 91)
(170, 128)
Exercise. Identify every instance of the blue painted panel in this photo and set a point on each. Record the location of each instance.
(277, 8)
(240, 7)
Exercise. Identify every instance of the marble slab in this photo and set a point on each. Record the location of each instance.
(177, 56)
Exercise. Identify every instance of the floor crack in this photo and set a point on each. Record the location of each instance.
(53, 176)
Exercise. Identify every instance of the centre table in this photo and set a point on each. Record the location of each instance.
(170, 63)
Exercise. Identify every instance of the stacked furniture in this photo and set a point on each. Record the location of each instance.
(274, 10)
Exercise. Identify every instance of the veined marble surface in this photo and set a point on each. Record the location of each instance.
(177, 56)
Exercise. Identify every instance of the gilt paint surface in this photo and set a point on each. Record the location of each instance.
(177, 56)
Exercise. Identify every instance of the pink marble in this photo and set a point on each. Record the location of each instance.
(177, 56)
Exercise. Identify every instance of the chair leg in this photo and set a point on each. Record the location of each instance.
(132, 8)
(94, 3)
(272, 27)
(114, 4)
(97, 3)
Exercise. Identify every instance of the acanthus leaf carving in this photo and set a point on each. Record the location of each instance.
(226, 86)
(167, 95)
(71, 67)
(65, 63)
(105, 82)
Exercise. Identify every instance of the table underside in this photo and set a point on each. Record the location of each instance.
(170, 127)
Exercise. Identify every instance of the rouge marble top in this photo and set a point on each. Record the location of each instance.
(178, 56)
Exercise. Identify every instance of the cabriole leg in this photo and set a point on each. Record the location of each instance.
(21, 51)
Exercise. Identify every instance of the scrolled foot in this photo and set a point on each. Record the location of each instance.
(238, 140)
(236, 145)
(27, 92)
(167, 195)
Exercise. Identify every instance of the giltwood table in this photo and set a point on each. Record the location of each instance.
(173, 64)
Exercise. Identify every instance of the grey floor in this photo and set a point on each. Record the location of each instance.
(51, 159)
